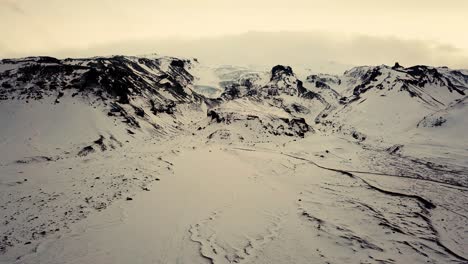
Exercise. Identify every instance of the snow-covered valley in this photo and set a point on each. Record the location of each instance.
(165, 160)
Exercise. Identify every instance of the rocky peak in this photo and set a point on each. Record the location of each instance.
(397, 66)
(279, 71)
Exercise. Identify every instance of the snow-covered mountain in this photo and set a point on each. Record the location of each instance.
(162, 95)
(383, 144)
(385, 101)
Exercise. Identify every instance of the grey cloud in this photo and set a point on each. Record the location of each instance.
(13, 6)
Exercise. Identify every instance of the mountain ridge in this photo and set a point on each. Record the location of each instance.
(141, 88)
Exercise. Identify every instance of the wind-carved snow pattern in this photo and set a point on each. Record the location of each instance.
(245, 251)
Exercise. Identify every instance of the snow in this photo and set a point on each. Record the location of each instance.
(207, 82)
(376, 180)
(44, 128)
(226, 204)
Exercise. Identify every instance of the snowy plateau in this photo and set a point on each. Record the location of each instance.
(158, 159)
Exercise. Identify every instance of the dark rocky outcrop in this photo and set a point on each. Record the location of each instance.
(369, 77)
(279, 70)
(117, 77)
(278, 126)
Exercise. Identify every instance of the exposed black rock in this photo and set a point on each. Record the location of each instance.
(323, 80)
(413, 80)
(397, 66)
(215, 116)
(86, 151)
(279, 70)
(292, 126)
(168, 107)
(369, 77)
(118, 77)
(395, 149)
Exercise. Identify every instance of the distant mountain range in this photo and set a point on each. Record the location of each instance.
(374, 101)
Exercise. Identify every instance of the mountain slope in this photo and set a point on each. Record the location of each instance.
(386, 101)
(140, 91)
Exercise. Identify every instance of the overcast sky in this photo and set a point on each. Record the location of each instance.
(344, 31)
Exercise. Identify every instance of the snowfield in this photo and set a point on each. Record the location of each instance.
(165, 160)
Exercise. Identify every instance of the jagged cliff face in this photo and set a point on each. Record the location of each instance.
(116, 77)
(280, 81)
(137, 89)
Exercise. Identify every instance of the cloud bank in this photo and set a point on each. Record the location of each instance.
(294, 48)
